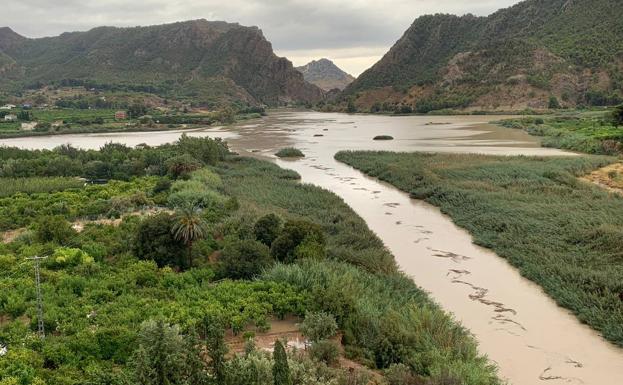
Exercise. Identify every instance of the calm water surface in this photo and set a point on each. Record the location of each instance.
(531, 339)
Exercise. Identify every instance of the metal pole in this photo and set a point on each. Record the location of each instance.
(40, 323)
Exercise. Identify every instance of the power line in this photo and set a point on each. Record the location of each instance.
(40, 323)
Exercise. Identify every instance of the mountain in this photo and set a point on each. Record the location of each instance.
(209, 62)
(519, 57)
(325, 74)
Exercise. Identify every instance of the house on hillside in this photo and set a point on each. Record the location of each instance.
(121, 115)
(28, 126)
(8, 107)
(10, 118)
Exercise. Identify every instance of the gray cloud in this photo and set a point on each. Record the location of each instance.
(350, 29)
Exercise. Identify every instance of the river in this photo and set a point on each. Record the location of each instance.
(518, 327)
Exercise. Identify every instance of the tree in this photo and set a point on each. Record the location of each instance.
(155, 241)
(182, 165)
(54, 229)
(188, 228)
(318, 326)
(267, 228)
(281, 369)
(553, 103)
(165, 357)
(136, 110)
(216, 346)
(617, 116)
(244, 259)
(297, 233)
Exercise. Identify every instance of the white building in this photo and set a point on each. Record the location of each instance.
(8, 107)
(10, 118)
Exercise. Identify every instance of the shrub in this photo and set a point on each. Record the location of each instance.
(294, 234)
(400, 374)
(155, 241)
(290, 152)
(244, 259)
(54, 229)
(383, 137)
(318, 326)
(267, 228)
(181, 166)
(617, 116)
(325, 351)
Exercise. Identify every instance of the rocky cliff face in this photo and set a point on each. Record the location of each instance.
(521, 57)
(326, 75)
(214, 61)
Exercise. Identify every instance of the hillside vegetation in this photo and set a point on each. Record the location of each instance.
(561, 232)
(519, 57)
(213, 62)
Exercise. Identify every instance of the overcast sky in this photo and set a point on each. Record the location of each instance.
(353, 33)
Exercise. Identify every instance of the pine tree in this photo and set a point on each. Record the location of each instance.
(281, 370)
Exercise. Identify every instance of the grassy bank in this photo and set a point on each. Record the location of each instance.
(560, 232)
(105, 288)
(591, 133)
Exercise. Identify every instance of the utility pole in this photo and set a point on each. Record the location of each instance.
(39, 299)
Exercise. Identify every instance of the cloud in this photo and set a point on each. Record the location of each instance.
(300, 28)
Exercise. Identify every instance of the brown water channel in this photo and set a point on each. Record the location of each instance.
(531, 339)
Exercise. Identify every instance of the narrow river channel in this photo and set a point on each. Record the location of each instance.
(530, 338)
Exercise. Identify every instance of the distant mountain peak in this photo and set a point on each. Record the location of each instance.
(325, 74)
(9, 38)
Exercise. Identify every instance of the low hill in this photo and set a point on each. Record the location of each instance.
(211, 62)
(325, 74)
(536, 54)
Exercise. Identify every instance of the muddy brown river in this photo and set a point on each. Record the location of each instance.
(530, 338)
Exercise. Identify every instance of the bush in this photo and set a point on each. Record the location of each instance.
(54, 229)
(383, 137)
(181, 166)
(318, 326)
(400, 374)
(295, 234)
(267, 229)
(325, 351)
(155, 241)
(244, 259)
(617, 116)
(290, 152)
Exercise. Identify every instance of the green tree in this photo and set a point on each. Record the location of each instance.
(553, 104)
(155, 241)
(54, 229)
(165, 357)
(267, 228)
(281, 369)
(182, 165)
(617, 116)
(244, 259)
(318, 326)
(295, 234)
(215, 344)
(136, 110)
(188, 228)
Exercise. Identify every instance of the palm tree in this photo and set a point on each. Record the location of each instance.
(189, 228)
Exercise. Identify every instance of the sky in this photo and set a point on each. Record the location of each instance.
(355, 34)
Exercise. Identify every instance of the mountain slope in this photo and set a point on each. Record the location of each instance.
(519, 57)
(213, 62)
(325, 74)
